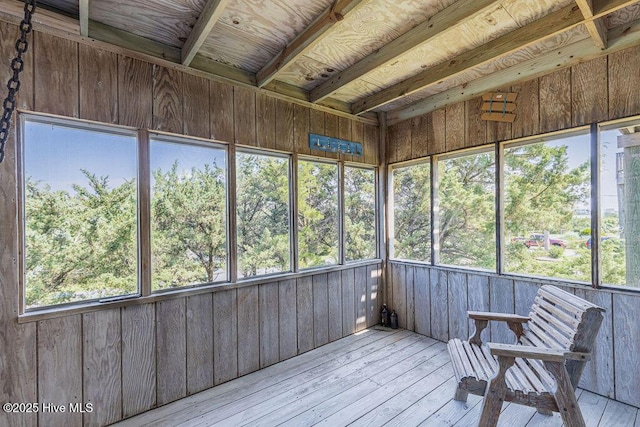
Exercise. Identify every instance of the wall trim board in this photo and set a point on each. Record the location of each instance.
(612, 289)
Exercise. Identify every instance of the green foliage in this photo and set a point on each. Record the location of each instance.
(412, 212)
(556, 252)
(188, 217)
(262, 214)
(317, 214)
(540, 195)
(360, 213)
(541, 189)
(80, 245)
(467, 211)
(612, 258)
(610, 224)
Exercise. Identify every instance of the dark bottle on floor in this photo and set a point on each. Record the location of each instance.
(384, 315)
(394, 320)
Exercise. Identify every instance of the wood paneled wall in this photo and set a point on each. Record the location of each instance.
(434, 301)
(130, 359)
(69, 79)
(126, 360)
(606, 88)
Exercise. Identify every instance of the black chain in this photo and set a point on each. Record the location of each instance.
(17, 65)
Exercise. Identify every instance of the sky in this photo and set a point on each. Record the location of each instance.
(579, 151)
(163, 154)
(56, 154)
(608, 182)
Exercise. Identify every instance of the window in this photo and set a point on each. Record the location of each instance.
(262, 188)
(188, 214)
(466, 215)
(547, 213)
(360, 213)
(317, 213)
(411, 236)
(80, 208)
(619, 202)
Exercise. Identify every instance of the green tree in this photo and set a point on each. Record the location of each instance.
(188, 226)
(262, 214)
(317, 213)
(412, 212)
(541, 194)
(467, 211)
(541, 189)
(80, 245)
(360, 213)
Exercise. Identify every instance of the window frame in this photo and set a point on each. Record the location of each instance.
(596, 229)
(144, 293)
(76, 124)
(435, 206)
(391, 207)
(340, 214)
(149, 137)
(292, 242)
(376, 211)
(593, 130)
(500, 197)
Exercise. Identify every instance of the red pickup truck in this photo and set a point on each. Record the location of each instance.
(537, 240)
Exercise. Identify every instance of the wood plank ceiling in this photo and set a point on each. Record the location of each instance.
(403, 57)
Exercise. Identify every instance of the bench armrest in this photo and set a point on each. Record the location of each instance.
(486, 315)
(481, 320)
(544, 354)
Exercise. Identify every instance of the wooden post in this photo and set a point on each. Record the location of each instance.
(546, 240)
(494, 394)
(564, 396)
(631, 145)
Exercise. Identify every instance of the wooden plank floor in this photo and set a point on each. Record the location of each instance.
(376, 377)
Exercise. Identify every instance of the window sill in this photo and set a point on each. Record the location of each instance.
(88, 307)
(612, 289)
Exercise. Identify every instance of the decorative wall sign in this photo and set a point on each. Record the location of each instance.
(498, 106)
(335, 145)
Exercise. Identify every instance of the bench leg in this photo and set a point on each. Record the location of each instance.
(494, 395)
(565, 396)
(461, 395)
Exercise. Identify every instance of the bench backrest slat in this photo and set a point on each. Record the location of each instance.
(545, 316)
(548, 333)
(570, 321)
(562, 320)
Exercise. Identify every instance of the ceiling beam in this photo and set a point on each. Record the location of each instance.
(118, 41)
(304, 41)
(550, 25)
(210, 14)
(619, 38)
(83, 11)
(597, 29)
(455, 14)
(122, 42)
(170, 57)
(604, 7)
(12, 11)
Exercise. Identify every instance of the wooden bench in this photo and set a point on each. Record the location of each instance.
(542, 369)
